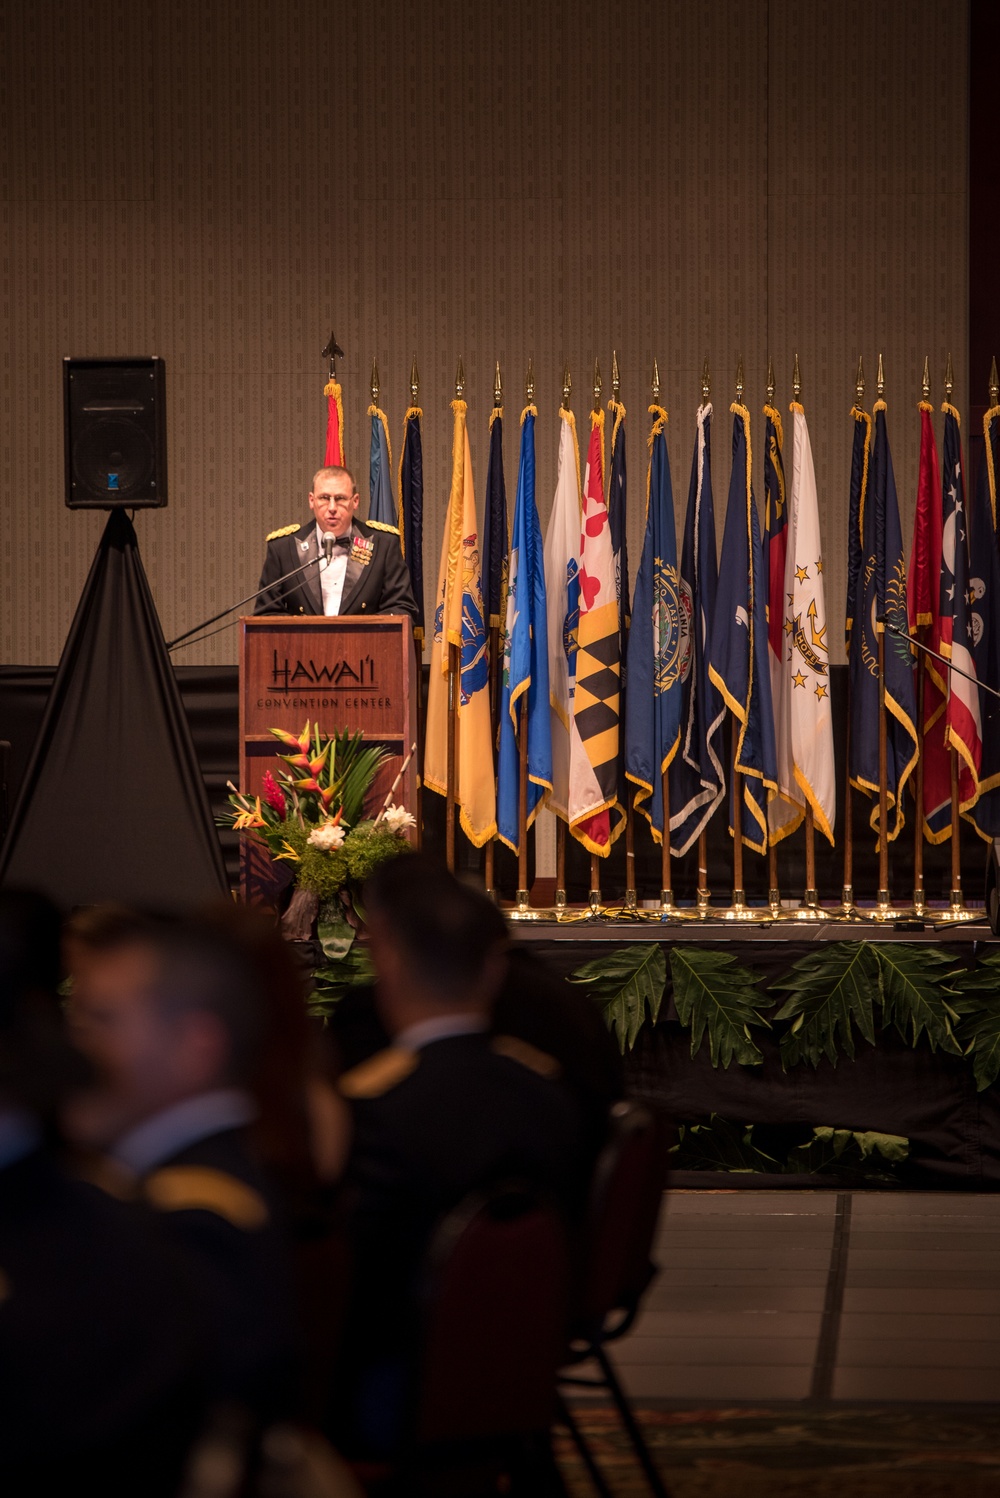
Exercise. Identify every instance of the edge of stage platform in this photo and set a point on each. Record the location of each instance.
(577, 925)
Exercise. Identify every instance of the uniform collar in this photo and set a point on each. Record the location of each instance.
(182, 1124)
(441, 1027)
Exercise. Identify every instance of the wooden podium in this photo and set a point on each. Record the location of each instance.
(347, 672)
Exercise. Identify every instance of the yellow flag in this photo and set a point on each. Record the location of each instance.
(458, 620)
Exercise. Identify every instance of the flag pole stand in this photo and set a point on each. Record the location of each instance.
(704, 895)
(810, 909)
(452, 766)
(594, 898)
(739, 910)
(522, 909)
(919, 895)
(630, 906)
(560, 895)
(884, 909)
(773, 892)
(668, 911)
(957, 909)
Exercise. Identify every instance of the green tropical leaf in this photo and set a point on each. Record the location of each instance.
(827, 989)
(978, 1031)
(721, 1145)
(846, 1153)
(713, 992)
(918, 993)
(627, 983)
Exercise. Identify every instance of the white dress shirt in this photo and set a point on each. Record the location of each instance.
(331, 575)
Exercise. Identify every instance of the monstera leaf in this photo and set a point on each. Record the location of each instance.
(979, 1026)
(713, 993)
(627, 983)
(827, 990)
(917, 985)
(846, 1153)
(722, 1145)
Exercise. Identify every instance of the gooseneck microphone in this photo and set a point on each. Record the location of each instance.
(328, 545)
(901, 634)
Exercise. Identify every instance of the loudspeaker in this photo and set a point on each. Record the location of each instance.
(115, 433)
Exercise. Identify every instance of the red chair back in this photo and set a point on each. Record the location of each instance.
(495, 1320)
(625, 1201)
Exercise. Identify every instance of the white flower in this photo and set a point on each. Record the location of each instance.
(328, 836)
(397, 819)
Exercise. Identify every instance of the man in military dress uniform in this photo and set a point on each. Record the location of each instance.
(357, 568)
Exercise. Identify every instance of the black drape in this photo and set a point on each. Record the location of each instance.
(113, 805)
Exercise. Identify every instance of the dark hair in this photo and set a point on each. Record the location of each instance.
(447, 929)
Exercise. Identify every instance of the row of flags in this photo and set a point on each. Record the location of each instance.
(618, 698)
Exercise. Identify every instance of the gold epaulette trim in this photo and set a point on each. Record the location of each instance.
(379, 1074)
(527, 1055)
(199, 1188)
(284, 530)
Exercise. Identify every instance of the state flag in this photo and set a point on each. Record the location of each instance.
(924, 614)
(411, 511)
(525, 659)
(381, 505)
(458, 620)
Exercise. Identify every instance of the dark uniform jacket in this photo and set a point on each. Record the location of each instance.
(376, 581)
(217, 1210)
(99, 1374)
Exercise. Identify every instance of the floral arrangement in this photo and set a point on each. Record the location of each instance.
(310, 816)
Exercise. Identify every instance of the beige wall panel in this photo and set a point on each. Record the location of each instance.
(221, 185)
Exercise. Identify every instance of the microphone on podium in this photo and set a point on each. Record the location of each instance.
(328, 545)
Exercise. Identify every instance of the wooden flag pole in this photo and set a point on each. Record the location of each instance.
(883, 906)
(957, 910)
(454, 666)
(596, 907)
(560, 897)
(919, 894)
(704, 893)
(493, 635)
(848, 910)
(810, 909)
(522, 910)
(739, 910)
(631, 902)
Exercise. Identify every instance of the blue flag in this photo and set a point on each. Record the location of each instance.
(659, 643)
(495, 528)
(381, 505)
(738, 662)
(525, 658)
(880, 591)
(411, 506)
(984, 608)
(856, 506)
(697, 777)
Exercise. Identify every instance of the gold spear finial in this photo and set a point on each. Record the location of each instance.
(770, 382)
(654, 383)
(529, 384)
(880, 377)
(497, 387)
(706, 383)
(414, 382)
(460, 380)
(925, 379)
(598, 386)
(375, 386)
(567, 387)
(796, 381)
(949, 379)
(739, 382)
(616, 379)
(994, 383)
(859, 385)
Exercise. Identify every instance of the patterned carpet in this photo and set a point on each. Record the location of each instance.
(829, 1451)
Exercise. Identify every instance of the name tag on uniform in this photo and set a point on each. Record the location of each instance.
(362, 548)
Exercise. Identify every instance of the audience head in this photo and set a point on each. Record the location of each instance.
(165, 1012)
(438, 945)
(37, 1065)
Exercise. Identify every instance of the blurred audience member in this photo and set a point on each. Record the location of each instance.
(173, 1017)
(448, 1107)
(97, 1344)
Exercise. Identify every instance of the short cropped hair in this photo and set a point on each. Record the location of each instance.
(334, 472)
(447, 930)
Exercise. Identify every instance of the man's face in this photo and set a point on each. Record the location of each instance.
(333, 502)
(143, 1055)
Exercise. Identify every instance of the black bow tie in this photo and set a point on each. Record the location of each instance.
(341, 542)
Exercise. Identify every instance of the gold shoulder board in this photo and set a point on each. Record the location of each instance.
(379, 1074)
(198, 1188)
(284, 530)
(526, 1055)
